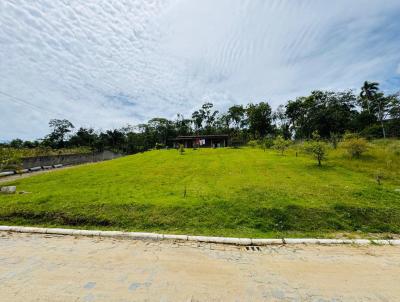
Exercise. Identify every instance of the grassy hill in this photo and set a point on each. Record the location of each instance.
(241, 192)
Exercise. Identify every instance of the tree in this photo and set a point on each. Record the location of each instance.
(394, 114)
(376, 103)
(282, 122)
(367, 94)
(373, 102)
(135, 142)
(209, 116)
(161, 129)
(296, 112)
(84, 137)
(316, 148)
(383, 105)
(323, 111)
(197, 119)
(259, 118)
(56, 138)
(30, 144)
(394, 106)
(281, 144)
(182, 125)
(236, 115)
(16, 143)
(115, 139)
(205, 118)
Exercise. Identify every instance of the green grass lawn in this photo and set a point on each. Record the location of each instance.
(230, 192)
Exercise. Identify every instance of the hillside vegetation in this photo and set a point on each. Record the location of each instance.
(241, 192)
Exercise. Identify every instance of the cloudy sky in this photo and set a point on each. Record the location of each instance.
(106, 63)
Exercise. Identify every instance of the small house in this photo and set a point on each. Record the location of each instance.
(200, 141)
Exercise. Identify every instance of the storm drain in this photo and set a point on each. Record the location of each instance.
(253, 248)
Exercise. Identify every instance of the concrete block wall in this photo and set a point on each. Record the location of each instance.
(69, 159)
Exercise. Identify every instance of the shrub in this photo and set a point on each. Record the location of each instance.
(393, 128)
(371, 132)
(236, 142)
(252, 143)
(181, 149)
(10, 158)
(267, 143)
(159, 146)
(334, 139)
(355, 145)
(281, 144)
(317, 149)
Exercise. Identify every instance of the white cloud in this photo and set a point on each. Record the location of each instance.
(106, 64)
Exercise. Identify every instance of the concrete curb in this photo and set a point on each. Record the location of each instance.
(204, 239)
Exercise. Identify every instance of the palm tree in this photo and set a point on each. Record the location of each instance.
(368, 92)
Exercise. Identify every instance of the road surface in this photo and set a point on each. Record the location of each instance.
(37, 267)
(10, 178)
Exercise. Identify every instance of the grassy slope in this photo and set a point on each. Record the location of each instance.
(243, 192)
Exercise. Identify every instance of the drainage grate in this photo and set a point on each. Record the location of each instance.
(253, 248)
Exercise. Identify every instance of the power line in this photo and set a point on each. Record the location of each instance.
(25, 102)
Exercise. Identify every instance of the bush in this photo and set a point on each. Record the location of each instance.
(393, 128)
(181, 149)
(281, 144)
(160, 146)
(252, 143)
(10, 158)
(334, 139)
(317, 149)
(267, 143)
(371, 132)
(355, 145)
(236, 142)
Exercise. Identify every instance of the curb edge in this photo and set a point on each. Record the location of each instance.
(204, 239)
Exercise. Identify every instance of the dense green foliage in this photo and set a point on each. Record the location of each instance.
(371, 113)
(232, 192)
(9, 157)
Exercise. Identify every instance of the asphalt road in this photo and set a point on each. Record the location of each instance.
(37, 267)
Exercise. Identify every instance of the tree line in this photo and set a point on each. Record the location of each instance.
(371, 113)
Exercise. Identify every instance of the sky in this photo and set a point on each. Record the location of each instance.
(106, 64)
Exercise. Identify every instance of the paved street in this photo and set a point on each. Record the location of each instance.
(63, 268)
